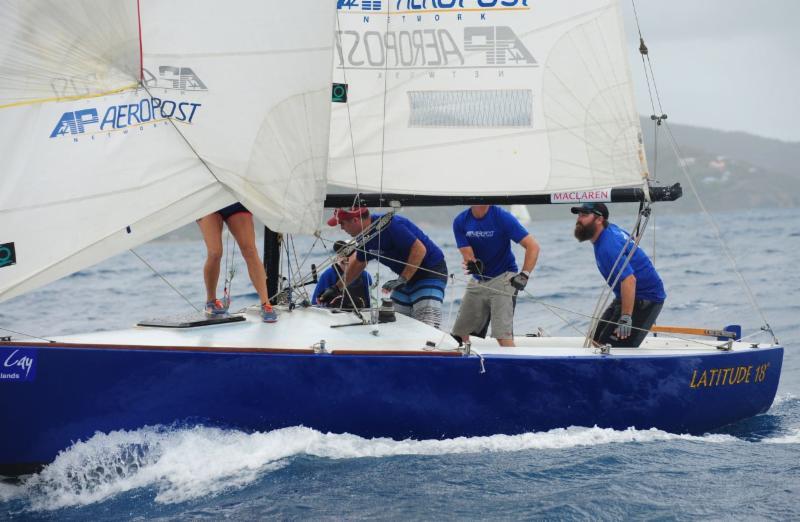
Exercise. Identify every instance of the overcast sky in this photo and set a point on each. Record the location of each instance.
(724, 64)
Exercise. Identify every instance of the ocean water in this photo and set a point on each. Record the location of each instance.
(750, 470)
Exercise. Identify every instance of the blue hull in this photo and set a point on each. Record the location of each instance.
(75, 392)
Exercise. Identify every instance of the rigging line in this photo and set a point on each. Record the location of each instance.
(655, 168)
(717, 232)
(552, 308)
(228, 282)
(347, 104)
(646, 63)
(26, 335)
(367, 235)
(156, 272)
(298, 268)
(188, 143)
(655, 84)
(634, 237)
(383, 143)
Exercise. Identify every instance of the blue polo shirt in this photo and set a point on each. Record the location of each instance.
(606, 250)
(392, 246)
(490, 238)
(359, 286)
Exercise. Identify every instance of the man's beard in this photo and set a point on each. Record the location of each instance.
(584, 232)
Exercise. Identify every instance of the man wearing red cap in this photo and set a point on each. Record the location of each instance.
(418, 290)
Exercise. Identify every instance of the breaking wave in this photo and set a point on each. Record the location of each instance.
(186, 464)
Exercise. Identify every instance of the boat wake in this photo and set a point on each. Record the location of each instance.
(188, 463)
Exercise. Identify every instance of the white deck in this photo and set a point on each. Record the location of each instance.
(304, 328)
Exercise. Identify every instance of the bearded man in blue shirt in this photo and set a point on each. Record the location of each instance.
(418, 289)
(639, 291)
(483, 235)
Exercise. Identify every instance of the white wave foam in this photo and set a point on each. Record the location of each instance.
(784, 397)
(792, 438)
(185, 464)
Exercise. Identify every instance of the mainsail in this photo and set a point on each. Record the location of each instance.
(122, 120)
(483, 98)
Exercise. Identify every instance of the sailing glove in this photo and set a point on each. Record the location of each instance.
(624, 328)
(394, 284)
(475, 267)
(329, 294)
(519, 281)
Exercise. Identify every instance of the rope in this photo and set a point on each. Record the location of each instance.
(227, 289)
(26, 335)
(648, 71)
(156, 272)
(718, 234)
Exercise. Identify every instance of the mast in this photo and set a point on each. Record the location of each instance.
(272, 261)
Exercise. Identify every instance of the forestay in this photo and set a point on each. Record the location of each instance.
(483, 98)
(120, 121)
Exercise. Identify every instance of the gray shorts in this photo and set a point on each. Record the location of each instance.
(484, 301)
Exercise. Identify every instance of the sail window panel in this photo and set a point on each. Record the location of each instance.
(471, 108)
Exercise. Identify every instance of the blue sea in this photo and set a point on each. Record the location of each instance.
(750, 470)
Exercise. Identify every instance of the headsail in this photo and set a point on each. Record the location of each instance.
(483, 98)
(234, 106)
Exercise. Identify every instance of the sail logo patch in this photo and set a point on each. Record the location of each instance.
(8, 255)
(581, 196)
(177, 78)
(494, 46)
(122, 116)
(17, 365)
(422, 5)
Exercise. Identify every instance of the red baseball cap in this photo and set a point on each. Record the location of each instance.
(340, 213)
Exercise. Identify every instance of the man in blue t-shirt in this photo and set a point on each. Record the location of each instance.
(396, 242)
(483, 235)
(357, 295)
(639, 291)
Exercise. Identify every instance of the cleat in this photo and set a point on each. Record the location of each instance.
(215, 308)
(268, 315)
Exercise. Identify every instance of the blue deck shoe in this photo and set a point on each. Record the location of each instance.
(268, 315)
(215, 308)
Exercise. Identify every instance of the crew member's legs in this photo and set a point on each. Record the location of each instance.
(503, 299)
(473, 314)
(211, 228)
(242, 228)
(644, 315)
(421, 300)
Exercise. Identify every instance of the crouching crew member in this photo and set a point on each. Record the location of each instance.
(357, 295)
(418, 289)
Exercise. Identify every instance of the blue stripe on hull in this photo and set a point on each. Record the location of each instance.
(77, 391)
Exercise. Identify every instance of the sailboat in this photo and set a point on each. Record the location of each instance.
(122, 120)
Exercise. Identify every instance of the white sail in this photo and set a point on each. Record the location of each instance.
(235, 106)
(483, 98)
(260, 72)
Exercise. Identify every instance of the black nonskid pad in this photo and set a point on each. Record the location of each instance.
(191, 320)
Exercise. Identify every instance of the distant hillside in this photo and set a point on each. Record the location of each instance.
(730, 170)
